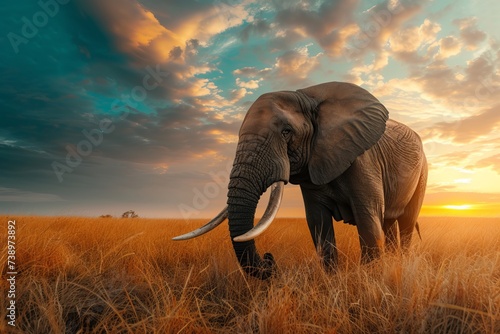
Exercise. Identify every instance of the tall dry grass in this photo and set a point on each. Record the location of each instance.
(79, 275)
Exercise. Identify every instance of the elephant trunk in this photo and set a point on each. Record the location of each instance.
(241, 210)
(250, 177)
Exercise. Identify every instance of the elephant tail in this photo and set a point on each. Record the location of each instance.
(417, 227)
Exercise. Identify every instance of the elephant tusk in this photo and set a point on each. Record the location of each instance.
(269, 214)
(205, 228)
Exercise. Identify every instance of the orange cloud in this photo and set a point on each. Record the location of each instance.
(470, 128)
(252, 72)
(413, 38)
(203, 25)
(469, 32)
(238, 94)
(449, 46)
(296, 65)
(251, 84)
(223, 137)
(492, 161)
(134, 28)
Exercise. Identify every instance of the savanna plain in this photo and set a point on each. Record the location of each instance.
(114, 275)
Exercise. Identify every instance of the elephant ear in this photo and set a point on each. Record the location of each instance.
(349, 121)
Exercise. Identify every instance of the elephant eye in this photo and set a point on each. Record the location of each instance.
(285, 132)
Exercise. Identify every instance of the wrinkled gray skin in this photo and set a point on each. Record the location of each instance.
(351, 162)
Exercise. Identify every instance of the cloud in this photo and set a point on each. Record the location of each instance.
(408, 44)
(448, 46)
(238, 94)
(470, 128)
(16, 195)
(483, 67)
(457, 159)
(284, 39)
(252, 72)
(465, 88)
(295, 65)
(413, 38)
(148, 33)
(369, 74)
(151, 25)
(251, 84)
(135, 29)
(380, 23)
(445, 198)
(469, 33)
(492, 161)
(170, 132)
(333, 25)
(258, 27)
(438, 187)
(329, 25)
(204, 24)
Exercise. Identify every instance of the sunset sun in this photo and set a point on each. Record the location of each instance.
(461, 207)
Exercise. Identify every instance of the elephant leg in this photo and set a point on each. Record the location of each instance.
(390, 229)
(320, 223)
(408, 220)
(406, 226)
(371, 235)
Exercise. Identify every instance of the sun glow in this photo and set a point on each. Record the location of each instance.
(458, 207)
(462, 210)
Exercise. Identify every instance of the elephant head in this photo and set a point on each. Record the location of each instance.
(313, 135)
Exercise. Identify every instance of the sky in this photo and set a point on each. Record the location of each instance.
(107, 106)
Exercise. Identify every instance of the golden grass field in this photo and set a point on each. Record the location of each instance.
(79, 275)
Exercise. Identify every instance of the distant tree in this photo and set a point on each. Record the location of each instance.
(105, 216)
(130, 214)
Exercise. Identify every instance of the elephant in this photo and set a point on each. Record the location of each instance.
(352, 163)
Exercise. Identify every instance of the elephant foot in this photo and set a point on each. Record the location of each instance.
(330, 263)
(368, 254)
